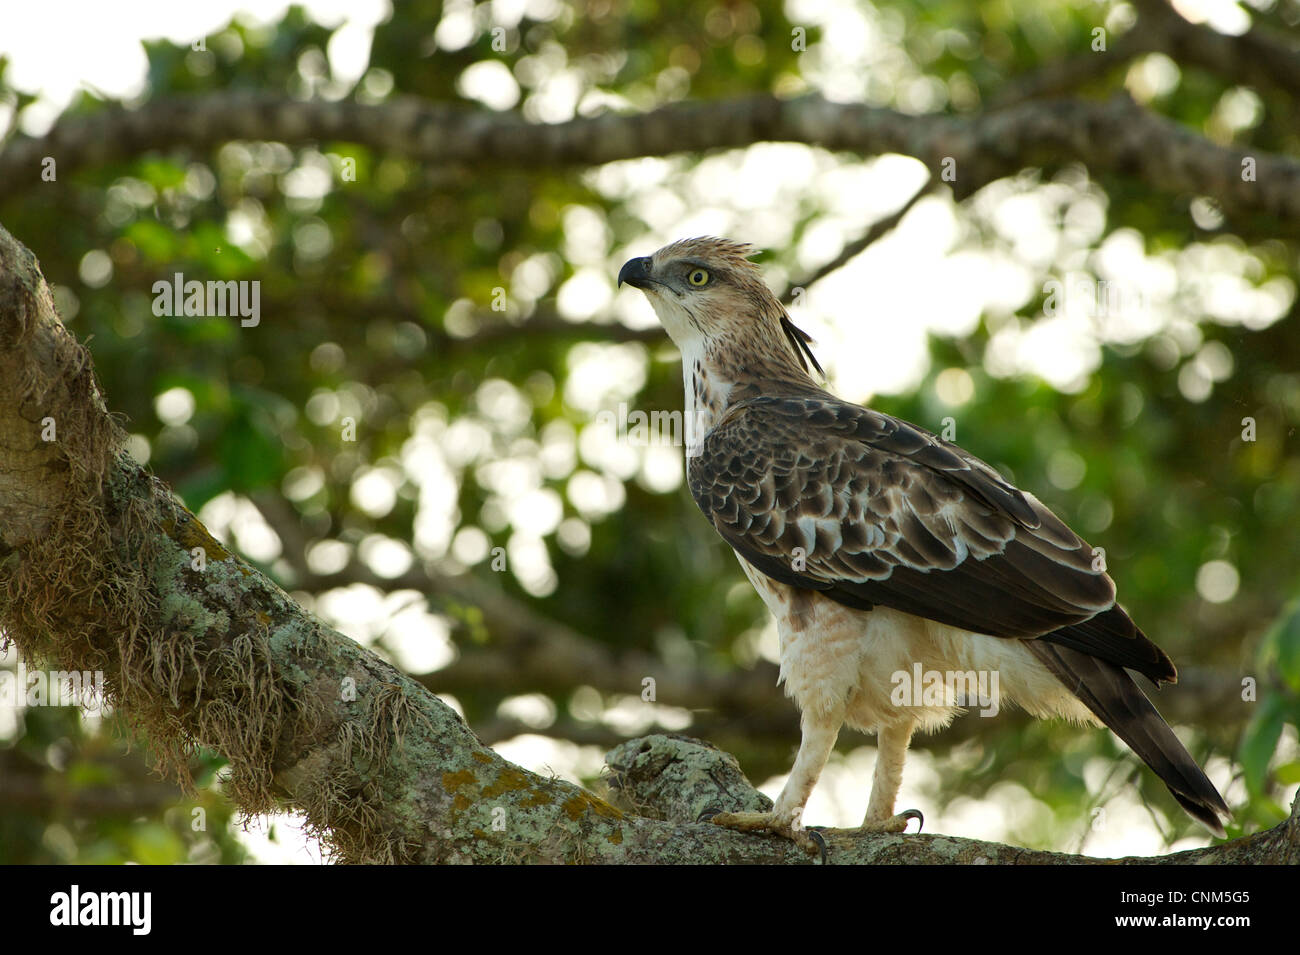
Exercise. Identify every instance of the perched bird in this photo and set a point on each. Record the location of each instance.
(884, 551)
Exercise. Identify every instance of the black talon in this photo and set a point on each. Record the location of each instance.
(821, 844)
(708, 813)
(914, 814)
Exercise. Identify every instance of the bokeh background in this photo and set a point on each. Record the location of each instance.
(490, 532)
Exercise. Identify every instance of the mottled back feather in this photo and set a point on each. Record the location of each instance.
(867, 509)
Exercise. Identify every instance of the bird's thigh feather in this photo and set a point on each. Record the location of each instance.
(884, 667)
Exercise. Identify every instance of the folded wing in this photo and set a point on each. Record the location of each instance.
(869, 510)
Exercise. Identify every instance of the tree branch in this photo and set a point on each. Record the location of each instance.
(1255, 58)
(25, 786)
(852, 250)
(675, 779)
(1068, 74)
(1116, 136)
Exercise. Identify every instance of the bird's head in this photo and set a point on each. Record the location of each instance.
(705, 290)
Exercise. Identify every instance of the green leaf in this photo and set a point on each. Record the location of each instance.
(1289, 773)
(1260, 742)
(161, 173)
(1283, 642)
(154, 844)
(83, 774)
(156, 242)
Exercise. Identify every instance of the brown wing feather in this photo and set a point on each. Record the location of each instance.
(826, 495)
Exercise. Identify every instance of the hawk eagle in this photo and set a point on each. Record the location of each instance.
(885, 551)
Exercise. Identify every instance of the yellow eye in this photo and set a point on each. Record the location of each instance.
(698, 277)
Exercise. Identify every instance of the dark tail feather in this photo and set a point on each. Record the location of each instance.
(1117, 701)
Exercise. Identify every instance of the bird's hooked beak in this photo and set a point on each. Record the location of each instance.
(636, 272)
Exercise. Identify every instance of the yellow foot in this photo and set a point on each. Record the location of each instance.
(810, 840)
(893, 823)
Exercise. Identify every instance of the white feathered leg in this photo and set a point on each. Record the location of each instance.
(785, 818)
(891, 752)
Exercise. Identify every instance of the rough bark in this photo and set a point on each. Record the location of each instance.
(100, 569)
(676, 778)
(967, 152)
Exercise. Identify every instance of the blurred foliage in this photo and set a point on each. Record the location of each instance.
(1279, 659)
(71, 792)
(372, 292)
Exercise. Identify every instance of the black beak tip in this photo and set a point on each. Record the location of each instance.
(635, 272)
